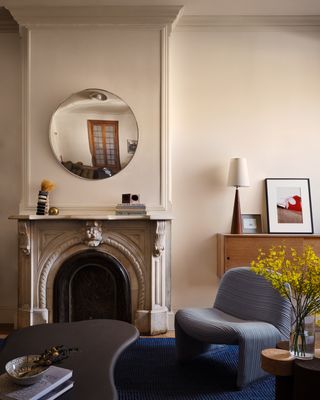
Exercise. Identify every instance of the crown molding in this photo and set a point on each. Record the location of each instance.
(7, 23)
(202, 22)
(50, 16)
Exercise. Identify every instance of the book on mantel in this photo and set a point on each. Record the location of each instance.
(55, 381)
(131, 209)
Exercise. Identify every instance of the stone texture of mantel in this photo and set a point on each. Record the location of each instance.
(140, 243)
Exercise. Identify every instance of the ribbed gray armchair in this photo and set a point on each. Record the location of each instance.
(247, 312)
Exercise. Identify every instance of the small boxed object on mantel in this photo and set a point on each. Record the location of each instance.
(131, 205)
(131, 209)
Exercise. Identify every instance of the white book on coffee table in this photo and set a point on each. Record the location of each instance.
(52, 378)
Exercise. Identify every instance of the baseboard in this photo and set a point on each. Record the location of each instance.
(7, 316)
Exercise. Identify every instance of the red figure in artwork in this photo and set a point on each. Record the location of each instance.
(293, 203)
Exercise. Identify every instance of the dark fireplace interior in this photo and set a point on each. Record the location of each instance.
(91, 285)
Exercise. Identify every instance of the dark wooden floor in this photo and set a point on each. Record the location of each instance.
(5, 329)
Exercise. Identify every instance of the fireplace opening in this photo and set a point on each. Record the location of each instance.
(91, 285)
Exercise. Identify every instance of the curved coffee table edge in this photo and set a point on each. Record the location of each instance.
(115, 358)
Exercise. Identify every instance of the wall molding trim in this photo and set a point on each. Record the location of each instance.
(34, 20)
(165, 177)
(146, 16)
(202, 22)
(27, 204)
(7, 23)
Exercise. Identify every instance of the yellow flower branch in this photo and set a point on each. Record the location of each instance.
(296, 277)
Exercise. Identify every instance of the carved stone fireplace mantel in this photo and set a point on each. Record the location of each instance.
(141, 244)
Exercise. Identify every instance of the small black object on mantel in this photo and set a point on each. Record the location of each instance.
(129, 198)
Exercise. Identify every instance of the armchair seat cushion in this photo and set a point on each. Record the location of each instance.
(205, 323)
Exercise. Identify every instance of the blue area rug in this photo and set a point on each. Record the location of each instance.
(148, 370)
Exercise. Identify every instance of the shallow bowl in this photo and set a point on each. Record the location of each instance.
(24, 371)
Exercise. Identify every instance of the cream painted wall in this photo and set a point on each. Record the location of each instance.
(236, 93)
(10, 172)
(67, 60)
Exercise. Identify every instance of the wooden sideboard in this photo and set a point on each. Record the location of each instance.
(240, 250)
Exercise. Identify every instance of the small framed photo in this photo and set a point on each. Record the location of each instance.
(131, 146)
(251, 223)
(289, 205)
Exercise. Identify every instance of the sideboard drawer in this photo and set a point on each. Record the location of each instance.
(240, 250)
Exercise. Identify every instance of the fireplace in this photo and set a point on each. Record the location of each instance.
(91, 285)
(78, 267)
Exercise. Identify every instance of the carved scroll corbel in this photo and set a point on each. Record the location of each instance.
(24, 238)
(159, 242)
(93, 233)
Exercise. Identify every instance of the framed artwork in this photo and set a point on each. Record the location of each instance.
(289, 205)
(251, 223)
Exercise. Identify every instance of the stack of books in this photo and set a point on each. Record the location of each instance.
(131, 209)
(55, 381)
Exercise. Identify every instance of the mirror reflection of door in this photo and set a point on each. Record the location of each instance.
(104, 144)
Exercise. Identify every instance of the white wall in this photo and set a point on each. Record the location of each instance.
(236, 93)
(9, 170)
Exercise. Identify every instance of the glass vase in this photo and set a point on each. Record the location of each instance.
(317, 336)
(302, 338)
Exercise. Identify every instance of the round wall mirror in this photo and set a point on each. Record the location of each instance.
(94, 134)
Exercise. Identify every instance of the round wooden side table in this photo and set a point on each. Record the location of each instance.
(295, 379)
(279, 362)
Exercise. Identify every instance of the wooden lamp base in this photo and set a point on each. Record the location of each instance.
(236, 226)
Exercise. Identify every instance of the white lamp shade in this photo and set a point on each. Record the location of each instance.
(238, 173)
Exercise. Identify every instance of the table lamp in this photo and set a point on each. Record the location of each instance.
(238, 177)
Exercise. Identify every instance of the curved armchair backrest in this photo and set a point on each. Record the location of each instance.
(246, 295)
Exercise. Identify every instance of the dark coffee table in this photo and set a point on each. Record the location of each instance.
(100, 343)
